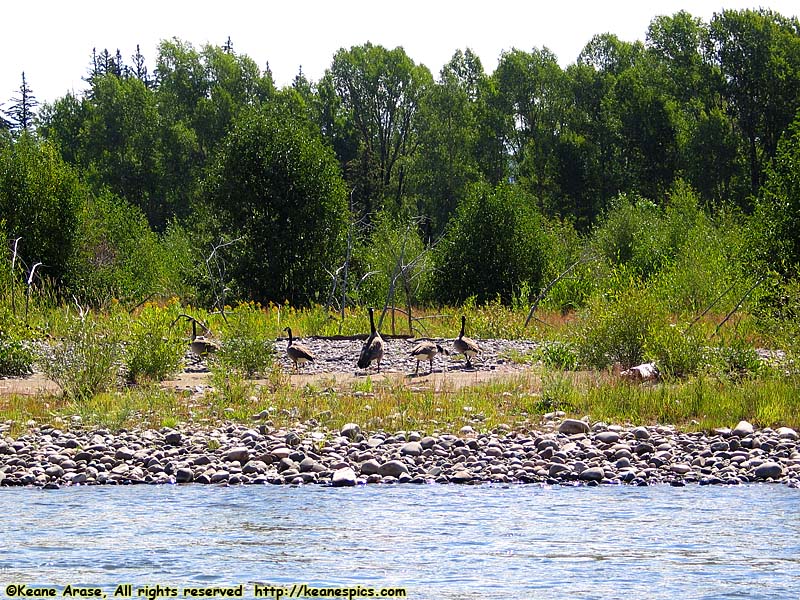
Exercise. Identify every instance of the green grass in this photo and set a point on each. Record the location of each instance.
(517, 402)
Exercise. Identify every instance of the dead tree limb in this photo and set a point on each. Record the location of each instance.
(739, 304)
(547, 289)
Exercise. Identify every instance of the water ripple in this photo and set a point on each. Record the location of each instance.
(438, 541)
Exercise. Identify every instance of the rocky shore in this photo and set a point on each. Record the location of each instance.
(565, 452)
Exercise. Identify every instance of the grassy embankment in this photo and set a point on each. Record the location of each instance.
(246, 380)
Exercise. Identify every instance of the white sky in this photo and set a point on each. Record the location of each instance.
(53, 43)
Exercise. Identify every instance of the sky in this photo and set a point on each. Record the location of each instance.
(53, 44)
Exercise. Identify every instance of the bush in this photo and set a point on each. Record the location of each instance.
(246, 346)
(16, 354)
(88, 359)
(117, 255)
(632, 234)
(154, 349)
(277, 186)
(617, 330)
(393, 238)
(494, 244)
(677, 352)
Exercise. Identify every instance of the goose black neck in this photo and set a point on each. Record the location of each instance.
(194, 329)
(371, 321)
(463, 322)
(289, 331)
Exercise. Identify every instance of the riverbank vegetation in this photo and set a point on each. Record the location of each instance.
(639, 205)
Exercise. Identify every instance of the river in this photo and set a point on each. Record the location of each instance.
(437, 541)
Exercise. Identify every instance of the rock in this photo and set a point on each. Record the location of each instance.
(573, 426)
(641, 373)
(351, 431)
(411, 449)
(241, 454)
(641, 433)
(343, 477)
(184, 475)
(173, 438)
(592, 474)
(607, 437)
(370, 467)
(680, 468)
(787, 433)
(743, 429)
(769, 470)
(393, 468)
(557, 469)
(461, 476)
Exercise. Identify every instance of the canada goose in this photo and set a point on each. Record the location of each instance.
(426, 350)
(464, 345)
(373, 347)
(297, 352)
(201, 346)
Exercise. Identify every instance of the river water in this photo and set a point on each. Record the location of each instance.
(437, 541)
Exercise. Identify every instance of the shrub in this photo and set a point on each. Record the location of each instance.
(154, 350)
(246, 347)
(117, 255)
(678, 352)
(88, 359)
(616, 330)
(16, 354)
(494, 244)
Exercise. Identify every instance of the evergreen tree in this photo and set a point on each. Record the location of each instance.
(21, 114)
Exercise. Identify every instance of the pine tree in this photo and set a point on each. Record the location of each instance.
(21, 114)
(139, 68)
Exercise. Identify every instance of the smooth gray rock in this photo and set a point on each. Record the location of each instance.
(241, 454)
(769, 470)
(573, 426)
(344, 477)
(743, 429)
(184, 475)
(370, 467)
(393, 468)
(411, 449)
(787, 433)
(351, 431)
(173, 438)
(592, 474)
(607, 437)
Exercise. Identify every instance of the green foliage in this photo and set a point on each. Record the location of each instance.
(154, 350)
(777, 218)
(616, 330)
(40, 197)
(278, 187)
(118, 256)
(632, 234)
(246, 346)
(395, 250)
(16, 353)
(556, 354)
(678, 352)
(87, 360)
(495, 242)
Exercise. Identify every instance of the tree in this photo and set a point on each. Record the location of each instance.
(494, 244)
(380, 91)
(276, 185)
(40, 197)
(448, 133)
(533, 95)
(777, 215)
(758, 53)
(22, 113)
